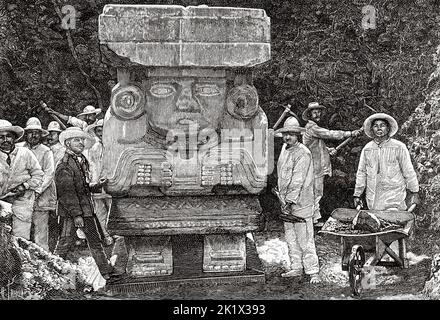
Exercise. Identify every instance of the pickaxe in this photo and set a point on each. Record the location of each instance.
(345, 142)
(283, 115)
(55, 117)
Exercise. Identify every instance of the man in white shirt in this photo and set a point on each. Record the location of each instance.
(295, 191)
(45, 196)
(58, 151)
(385, 172)
(314, 138)
(83, 120)
(101, 199)
(57, 148)
(20, 177)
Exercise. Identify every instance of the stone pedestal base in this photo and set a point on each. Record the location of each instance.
(188, 257)
(149, 256)
(120, 255)
(224, 253)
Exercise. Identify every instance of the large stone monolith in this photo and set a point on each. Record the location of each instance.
(186, 142)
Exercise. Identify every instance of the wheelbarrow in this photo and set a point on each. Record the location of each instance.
(356, 245)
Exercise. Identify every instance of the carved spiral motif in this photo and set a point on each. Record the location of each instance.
(242, 102)
(128, 102)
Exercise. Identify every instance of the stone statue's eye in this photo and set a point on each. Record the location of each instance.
(128, 101)
(162, 90)
(207, 90)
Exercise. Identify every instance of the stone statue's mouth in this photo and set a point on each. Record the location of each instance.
(183, 116)
(186, 121)
(189, 119)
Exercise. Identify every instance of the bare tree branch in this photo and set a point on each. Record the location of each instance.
(72, 50)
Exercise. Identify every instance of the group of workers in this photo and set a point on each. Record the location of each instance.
(385, 174)
(53, 181)
(59, 170)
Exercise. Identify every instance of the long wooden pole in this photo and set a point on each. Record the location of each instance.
(55, 117)
(344, 143)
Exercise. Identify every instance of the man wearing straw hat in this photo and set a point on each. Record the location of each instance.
(385, 171)
(45, 198)
(75, 206)
(295, 192)
(82, 120)
(57, 148)
(314, 137)
(20, 176)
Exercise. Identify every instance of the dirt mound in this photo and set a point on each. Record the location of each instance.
(29, 272)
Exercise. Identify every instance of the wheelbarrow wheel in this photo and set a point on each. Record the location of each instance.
(356, 262)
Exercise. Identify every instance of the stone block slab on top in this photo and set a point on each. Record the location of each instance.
(177, 36)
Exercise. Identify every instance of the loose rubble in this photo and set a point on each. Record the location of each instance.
(39, 274)
(44, 274)
(337, 226)
(274, 252)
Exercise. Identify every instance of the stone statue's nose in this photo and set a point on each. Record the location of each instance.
(186, 102)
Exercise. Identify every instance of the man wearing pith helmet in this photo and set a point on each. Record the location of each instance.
(83, 120)
(295, 191)
(58, 151)
(385, 171)
(45, 198)
(314, 139)
(57, 148)
(20, 176)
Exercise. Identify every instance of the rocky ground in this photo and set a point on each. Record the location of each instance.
(387, 283)
(45, 276)
(42, 275)
(320, 52)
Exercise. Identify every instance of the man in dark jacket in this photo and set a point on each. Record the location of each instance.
(75, 206)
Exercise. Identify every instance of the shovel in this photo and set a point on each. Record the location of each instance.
(286, 216)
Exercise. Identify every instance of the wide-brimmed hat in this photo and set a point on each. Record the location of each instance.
(35, 124)
(75, 132)
(310, 107)
(54, 126)
(98, 123)
(5, 125)
(290, 125)
(89, 110)
(382, 116)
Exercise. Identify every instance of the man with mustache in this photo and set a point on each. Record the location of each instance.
(45, 198)
(314, 139)
(385, 171)
(54, 144)
(20, 177)
(75, 206)
(45, 139)
(295, 191)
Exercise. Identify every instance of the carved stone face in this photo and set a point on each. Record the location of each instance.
(175, 103)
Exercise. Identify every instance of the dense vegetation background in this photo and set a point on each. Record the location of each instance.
(320, 52)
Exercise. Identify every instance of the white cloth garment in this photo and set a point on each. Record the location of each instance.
(385, 172)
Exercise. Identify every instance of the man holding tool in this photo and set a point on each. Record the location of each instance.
(20, 177)
(314, 138)
(295, 192)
